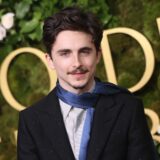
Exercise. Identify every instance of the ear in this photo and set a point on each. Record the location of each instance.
(49, 61)
(99, 54)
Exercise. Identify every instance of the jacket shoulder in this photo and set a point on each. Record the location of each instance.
(43, 103)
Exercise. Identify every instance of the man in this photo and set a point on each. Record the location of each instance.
(82, 118)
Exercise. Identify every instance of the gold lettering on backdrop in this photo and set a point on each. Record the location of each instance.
(155, 123)
(158, 23)
(4, 70)
(15, 135)
(148, 53)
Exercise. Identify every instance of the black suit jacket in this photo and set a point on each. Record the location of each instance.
(119, 131)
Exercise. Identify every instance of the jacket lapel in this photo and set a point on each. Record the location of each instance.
(105, 116)
(54, 127)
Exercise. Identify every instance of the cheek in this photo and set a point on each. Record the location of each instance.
(92, 63)
(61, 66)
(91, 67)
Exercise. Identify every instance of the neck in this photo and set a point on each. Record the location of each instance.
(88, 88)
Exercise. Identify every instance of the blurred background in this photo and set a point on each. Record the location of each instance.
(27, 76)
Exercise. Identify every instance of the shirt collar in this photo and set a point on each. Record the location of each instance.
(65, 109)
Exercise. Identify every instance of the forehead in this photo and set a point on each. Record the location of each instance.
(72, 40)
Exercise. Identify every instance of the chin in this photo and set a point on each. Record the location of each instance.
(80, 86)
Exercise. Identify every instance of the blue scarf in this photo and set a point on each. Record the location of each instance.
(87, 101)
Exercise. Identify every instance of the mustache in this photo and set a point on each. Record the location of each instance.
(78, 70)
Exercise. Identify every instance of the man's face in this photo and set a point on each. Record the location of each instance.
(74, 57)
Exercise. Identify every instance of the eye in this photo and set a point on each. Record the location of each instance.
(64, 54)
(85, 52)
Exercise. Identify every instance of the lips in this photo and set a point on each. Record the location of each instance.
(78, 71)
(79, 75)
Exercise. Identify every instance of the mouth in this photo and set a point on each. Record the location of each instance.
(78, 73)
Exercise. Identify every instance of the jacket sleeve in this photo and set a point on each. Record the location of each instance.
(141, 146)
(25, 146)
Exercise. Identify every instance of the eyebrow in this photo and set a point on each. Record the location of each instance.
(63, 50)
(69, 50)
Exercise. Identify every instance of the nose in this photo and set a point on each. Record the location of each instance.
(77, 61)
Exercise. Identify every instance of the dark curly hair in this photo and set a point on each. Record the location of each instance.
(74, 19)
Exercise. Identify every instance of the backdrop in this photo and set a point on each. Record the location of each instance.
(131, 37)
